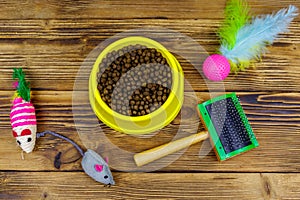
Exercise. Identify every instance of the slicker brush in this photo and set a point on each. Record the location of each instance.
(227, 127)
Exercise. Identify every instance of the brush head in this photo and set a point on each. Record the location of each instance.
(228, 126)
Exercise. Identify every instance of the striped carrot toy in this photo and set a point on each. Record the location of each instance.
(23, 122)
(22, 115)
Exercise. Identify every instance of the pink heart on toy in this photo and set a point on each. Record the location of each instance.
(98, 168)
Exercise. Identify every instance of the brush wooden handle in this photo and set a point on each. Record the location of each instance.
(150, 155)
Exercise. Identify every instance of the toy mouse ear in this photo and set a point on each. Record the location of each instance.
(98, 167)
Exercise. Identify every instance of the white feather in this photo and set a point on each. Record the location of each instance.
(252, 38)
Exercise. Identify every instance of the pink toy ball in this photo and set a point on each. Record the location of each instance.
(216, 67)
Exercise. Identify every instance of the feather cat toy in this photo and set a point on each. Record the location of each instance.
(243, 40)
(24, 128)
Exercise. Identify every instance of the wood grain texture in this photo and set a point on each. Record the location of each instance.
(63, 185)
(51, 40)
(60, 46)
(118, 9)
(273, 116)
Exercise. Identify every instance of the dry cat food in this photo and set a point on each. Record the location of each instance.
(134, 80)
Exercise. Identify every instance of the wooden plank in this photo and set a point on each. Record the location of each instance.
(273, 116)
(126, 9)
(60, 31)
(77, 185)
(52, 54)
(261, 108)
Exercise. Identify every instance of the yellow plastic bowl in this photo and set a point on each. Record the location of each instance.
(146, 123)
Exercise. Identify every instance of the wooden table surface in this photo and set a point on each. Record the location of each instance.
(51, 39)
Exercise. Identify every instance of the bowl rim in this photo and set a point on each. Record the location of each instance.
(177, 75)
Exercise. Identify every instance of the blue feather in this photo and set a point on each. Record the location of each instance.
(252, 39)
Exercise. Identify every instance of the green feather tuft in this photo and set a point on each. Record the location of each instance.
(23, 88)
(236, 16)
